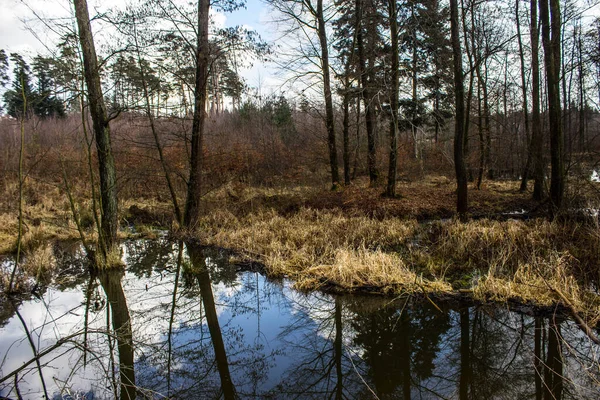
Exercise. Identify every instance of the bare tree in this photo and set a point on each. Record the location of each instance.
(107, 237)
(551, 39)
(192, 205)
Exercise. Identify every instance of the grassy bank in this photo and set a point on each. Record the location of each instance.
(352, 248)
(355, 240)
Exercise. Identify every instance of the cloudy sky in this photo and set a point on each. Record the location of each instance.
(22, 31)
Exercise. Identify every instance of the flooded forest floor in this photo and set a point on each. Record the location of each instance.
(355, 240)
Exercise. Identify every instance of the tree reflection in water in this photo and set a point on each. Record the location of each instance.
(183, 322)
(110, 279)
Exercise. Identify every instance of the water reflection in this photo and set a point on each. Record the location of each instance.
(121, 328)
(200, 270)
(183, 322)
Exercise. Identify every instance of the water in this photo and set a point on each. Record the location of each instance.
(190, 325)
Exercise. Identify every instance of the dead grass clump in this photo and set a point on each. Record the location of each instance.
(310, 237)
(533, 261)
(480, 245)
(40, 263)
(543, 282)
(363, 268)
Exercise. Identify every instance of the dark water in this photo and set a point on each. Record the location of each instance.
(184, 323)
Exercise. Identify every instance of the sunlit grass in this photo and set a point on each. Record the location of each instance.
(534, 262)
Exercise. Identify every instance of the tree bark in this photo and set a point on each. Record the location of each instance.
(393, 159)
(107, 236)
(551, 38)
(329, 121)
(537, 137)
(459, 90)
(346, 134)
(366, 77)
(208, 301)
(192, 206)
(527, 168)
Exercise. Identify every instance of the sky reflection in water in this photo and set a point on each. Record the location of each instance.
(202, 329)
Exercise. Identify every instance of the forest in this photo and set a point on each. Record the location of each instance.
(435, 149)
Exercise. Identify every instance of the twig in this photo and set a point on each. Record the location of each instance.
(33, 349)
(41, 354)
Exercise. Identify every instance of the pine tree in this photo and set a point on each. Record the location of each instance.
(21, 87)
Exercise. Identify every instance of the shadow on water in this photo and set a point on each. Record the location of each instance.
(184, 323)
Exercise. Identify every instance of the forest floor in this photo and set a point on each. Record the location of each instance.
(355, 240)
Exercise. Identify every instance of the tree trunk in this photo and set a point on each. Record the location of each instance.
(526, 170)
(333, 163)
(366, 75)
(465, 352)
(107, 236)
(537, 137)
(192, 206)
(551, 35)
(459, 90)
(393, 160)
(346, 133)
(197, 259)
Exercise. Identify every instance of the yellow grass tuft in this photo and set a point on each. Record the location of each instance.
(361, 268)
(39, 262)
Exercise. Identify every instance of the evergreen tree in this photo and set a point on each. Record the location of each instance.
(4, 79)
(21, 87)
(45, 103)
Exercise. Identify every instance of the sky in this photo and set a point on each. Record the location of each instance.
(21, 30)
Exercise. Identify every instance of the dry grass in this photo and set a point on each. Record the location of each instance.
(358, 269)
(39, 262)
(304, 239)
(534, 261)
(354, 239)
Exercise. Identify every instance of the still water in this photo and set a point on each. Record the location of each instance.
(184, 322)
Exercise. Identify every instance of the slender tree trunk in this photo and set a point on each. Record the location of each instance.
(581, 79)
(553, 373)
(192, 206)
(346, 108)
(481, 137)
(415, 85)
(537, 358)
(333, 163)
(21, 182)
(393, 159)
(346, 132)
(470, 52)
(338, 349)
(526, 170)
(551, 38)
(366, 75)
(106, 164)
(459, 90)
(537, 137)
(357, 146)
